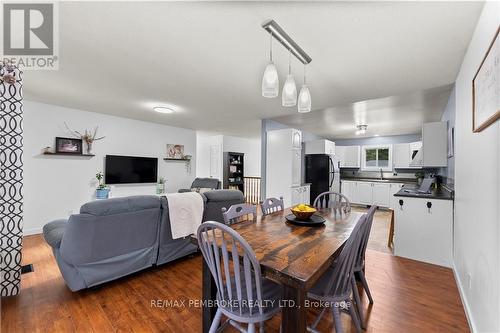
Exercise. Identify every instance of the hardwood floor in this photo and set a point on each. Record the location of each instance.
(409, 296)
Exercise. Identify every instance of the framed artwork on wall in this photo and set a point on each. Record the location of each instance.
(486, 88)
(175, 151)
(68, 145)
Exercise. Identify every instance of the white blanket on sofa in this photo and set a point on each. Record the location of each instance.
(186, 213)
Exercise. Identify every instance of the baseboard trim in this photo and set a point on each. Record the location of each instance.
(461, 292)
(33, 231)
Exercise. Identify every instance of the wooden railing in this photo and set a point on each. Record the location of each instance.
(252, 190)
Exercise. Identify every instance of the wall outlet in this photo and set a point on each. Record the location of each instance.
(469, 280)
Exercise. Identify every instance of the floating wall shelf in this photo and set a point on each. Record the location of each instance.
(69, 154)
(177, 159)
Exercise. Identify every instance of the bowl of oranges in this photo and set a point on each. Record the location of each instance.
(303, 211)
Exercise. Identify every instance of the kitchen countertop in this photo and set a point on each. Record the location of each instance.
(439, 193)
(378, 180)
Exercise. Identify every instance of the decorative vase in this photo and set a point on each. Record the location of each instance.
(160, 188)
(102, 193)
(89, 148)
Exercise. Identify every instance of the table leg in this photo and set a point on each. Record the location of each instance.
(293, 318)
(209, 293)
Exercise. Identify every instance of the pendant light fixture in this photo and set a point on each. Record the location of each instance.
(270, 80)
(289, 94)
(304, 103)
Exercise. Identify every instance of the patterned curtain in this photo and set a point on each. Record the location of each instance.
(11, 178)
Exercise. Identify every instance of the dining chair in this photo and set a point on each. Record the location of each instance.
(334, 200)
(272, 205)
(243, 295)
(359, 265)
(334, 286)
(239, 213)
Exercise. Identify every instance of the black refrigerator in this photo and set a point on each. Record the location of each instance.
(322, 173)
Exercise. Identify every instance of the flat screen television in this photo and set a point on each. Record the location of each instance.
(130, 169)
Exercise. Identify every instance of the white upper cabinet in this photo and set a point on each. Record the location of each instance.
(296, 139)
(320, 147)
(405, 155)
(349, 156)
(435, 144)
(401, 155)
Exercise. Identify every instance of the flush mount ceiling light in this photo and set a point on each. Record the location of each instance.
(289, 94)
(270, 80)
(361, 129)
(163, 109)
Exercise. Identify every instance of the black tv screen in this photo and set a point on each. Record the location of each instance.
(130, 169)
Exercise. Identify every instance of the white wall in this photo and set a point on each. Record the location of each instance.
(477, 184)
(56, 186)
(251, 149)
(203, 144)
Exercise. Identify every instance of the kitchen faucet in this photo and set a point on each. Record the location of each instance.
(381, 174)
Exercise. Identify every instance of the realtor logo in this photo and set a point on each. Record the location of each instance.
(29, 35)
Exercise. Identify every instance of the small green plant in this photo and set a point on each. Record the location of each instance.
(100, 177)
(419, 175)
(161, 180)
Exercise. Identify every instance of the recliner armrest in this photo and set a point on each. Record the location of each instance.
(53, 232)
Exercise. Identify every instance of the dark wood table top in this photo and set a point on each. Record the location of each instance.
(296, 255)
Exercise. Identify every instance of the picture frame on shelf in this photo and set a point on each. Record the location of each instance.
(69, 146)
(175, 151)
(485, 88)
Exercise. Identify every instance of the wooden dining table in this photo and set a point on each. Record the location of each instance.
(294, 256)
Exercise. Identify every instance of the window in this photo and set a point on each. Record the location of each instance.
(376, 157)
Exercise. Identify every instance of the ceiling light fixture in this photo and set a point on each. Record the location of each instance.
(304, 103)
(270, 80)
(289, 94)
(163, 109)
(361, 129)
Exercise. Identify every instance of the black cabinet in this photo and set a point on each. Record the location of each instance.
(233, 171)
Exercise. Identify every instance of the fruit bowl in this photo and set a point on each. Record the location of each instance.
(303, 211)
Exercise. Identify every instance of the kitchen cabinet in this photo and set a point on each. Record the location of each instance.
(296, 139)
(435, 144)
(348, 188)
(403, 153)
(320, 147)
(393, 189)
(283, 164)
(301, 194)
(371, 193)
(349, 156)
(423, 230)
(380, 194)
(364, 193)
(296, 166)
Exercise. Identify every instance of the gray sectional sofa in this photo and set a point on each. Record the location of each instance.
(112, 238)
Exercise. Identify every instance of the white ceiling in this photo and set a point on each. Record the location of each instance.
(207, 59)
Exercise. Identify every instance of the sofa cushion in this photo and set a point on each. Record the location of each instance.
(120, 205)
(53, 232)
(224, 195)
(212, 183)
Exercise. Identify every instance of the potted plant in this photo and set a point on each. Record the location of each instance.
(160, 186)
(102, 191)
(420, 175)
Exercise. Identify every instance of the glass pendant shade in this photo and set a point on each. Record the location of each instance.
(289, 94)
(304, 103)
(270, 82)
